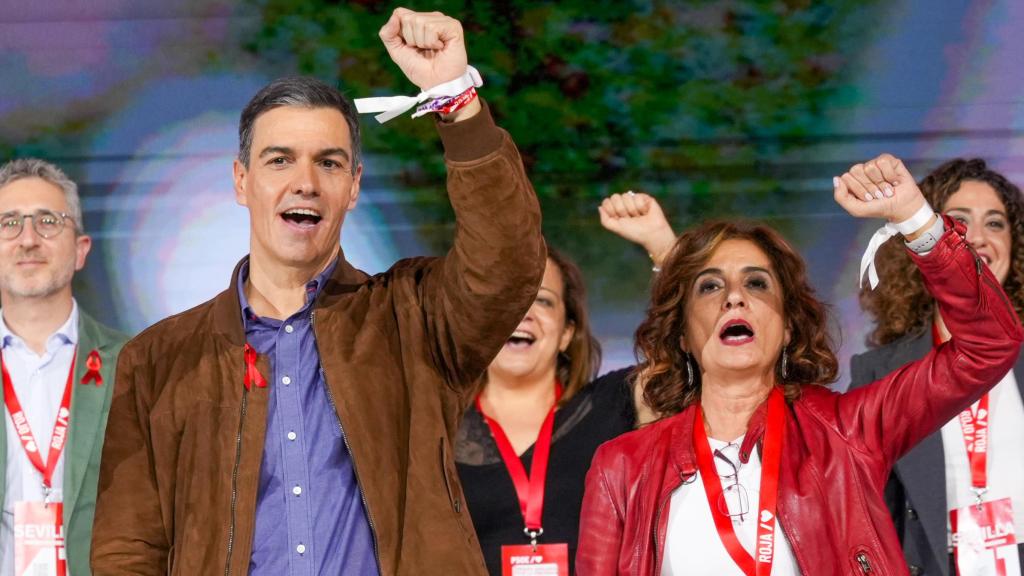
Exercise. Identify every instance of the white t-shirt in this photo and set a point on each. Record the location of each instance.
(692, 544)
(1005, 456)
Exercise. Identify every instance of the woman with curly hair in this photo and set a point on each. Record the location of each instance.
(935, 478)
(757, 467)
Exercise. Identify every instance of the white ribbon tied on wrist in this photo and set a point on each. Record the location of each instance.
(393, 106)
(867, 261)
(883, 234)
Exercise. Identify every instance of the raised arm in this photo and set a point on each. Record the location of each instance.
(638, 217)
(889, 416)
(474, 296)
(129, 535)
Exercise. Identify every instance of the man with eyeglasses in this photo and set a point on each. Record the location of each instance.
(58, 374)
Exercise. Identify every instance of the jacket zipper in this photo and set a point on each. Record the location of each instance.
(344, 438)
(865, 565)
(234, 481)
(998, 289)
(657, 523)
(456, 504)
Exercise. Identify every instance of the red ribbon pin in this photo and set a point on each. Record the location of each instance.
(93, 364)
(252, 374)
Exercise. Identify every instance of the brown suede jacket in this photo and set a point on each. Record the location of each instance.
(400, 352)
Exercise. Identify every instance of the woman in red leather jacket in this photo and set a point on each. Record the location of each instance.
(756, 467)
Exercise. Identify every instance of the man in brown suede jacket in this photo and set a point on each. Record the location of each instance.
(301, 421)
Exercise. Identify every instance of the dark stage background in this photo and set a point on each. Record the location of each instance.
(719, 108)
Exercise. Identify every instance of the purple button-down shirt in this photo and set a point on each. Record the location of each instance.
(310, 518)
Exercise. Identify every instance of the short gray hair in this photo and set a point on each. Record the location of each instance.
(35, 168)
(303, 92)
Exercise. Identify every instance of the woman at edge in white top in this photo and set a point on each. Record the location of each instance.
(935, 478)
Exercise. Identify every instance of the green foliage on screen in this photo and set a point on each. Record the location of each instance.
(695, 102)
(599, 94)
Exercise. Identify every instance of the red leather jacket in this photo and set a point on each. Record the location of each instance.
(838, 450)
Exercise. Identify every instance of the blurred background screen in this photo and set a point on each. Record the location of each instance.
(718, 108)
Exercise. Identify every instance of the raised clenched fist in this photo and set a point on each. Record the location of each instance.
(429, 47)
(879, 188)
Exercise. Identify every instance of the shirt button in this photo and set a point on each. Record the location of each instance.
(301, 548)
(292, 435)
(297, 490)
(286, 380)
(289, 329)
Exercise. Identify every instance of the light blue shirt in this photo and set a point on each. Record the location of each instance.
(39, 382)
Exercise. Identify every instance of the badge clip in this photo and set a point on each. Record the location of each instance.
(533, 535)
(978, 496)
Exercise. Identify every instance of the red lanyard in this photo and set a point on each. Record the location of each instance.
(770, 464)
(530, 490)
(28, 440)
(975, 428)
(974, 425)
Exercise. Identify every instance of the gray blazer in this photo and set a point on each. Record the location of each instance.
(916, 492)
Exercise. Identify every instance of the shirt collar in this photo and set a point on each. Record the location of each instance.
(66, 334)
(313, 288)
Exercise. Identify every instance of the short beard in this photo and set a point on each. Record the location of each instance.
(56, 281)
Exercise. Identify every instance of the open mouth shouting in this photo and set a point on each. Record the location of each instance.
(736, 333)
(520, 339)
(304, 218)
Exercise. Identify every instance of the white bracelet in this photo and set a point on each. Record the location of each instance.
(906, 227)
(915, 222)
(392, 106)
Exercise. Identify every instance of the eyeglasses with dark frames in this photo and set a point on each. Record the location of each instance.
(46, 223)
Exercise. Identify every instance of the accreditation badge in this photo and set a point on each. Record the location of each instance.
(539, 560)
(39, 539)
(984, 543)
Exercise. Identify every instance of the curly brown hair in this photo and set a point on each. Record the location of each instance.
(663, 364)
(901, 306)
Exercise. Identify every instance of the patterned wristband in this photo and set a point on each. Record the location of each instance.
(447, 104)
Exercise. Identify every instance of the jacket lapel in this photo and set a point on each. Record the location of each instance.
(922, 471)
(89, 404)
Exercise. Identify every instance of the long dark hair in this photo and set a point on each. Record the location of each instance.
(579, 364)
